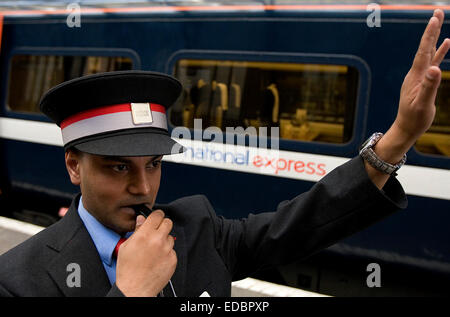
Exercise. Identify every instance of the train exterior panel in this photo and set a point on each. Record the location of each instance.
(244, 52)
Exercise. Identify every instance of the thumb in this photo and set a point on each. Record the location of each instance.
(139, 221)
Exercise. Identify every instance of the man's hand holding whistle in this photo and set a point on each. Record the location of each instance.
(147, 260)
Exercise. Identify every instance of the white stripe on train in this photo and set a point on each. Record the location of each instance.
(416, 180)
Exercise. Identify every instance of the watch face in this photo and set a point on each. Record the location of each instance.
(372, 140)
(365, 144)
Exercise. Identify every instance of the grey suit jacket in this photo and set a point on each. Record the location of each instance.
(211, 251)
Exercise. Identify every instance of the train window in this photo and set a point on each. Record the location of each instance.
(308, 102)
(437, 139)
(32, 75)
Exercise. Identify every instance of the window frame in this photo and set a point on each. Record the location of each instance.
(362, 95)
(428, 159)
(66, 51)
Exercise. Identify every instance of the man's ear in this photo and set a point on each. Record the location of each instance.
(73, 159)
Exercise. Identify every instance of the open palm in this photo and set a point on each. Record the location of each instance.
(418, 93)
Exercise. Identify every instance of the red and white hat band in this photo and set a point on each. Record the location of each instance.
(113, 118)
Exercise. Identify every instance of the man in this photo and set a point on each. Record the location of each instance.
(115, 134)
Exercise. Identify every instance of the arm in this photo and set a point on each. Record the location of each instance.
(416, 108)
(348, 199)
(342, 203)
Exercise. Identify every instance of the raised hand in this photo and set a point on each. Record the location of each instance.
(417, 109)
(417, 96)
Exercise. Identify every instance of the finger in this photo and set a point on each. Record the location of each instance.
(139, 222)
(170, 242)
(439, 14)
(441, 52)
(424, 54)
(165, 227)
(155, 219)
(173, 254)
(430, 84)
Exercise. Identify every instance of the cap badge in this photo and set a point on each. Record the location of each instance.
(141, 113)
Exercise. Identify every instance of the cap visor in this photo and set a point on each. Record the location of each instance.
(130, 144)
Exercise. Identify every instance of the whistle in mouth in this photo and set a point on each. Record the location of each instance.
(142, 210)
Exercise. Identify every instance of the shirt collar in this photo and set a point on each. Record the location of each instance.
(105, 239)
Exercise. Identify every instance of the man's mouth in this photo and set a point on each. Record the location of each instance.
(140, 209)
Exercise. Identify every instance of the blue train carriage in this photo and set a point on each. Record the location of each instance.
(313, 80)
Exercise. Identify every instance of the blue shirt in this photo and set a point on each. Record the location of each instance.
(105, 240)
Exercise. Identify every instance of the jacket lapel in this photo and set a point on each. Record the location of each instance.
(76, 268)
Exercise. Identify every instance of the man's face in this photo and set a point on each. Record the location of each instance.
(111, 185)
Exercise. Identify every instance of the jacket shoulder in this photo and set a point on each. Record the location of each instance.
(23, 269)
(189, 207)
(30, 248)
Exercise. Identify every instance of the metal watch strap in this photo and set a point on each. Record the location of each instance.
(372, 158)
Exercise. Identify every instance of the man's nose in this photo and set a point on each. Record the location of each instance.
(139, 184)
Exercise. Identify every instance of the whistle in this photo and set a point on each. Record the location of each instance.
(142, 210)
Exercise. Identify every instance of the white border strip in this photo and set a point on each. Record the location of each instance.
(416, 180)
(285, 164)
(425, 181)
(30, 131)
(19, 226)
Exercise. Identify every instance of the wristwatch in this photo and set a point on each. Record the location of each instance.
(366, 151)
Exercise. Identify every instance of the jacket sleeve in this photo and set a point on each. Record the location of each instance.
(339, 205)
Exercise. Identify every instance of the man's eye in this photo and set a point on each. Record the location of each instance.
(155, 164)
(120, 168)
